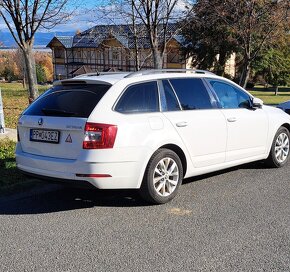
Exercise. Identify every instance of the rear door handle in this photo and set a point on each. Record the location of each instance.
(232, 119)
(181, 124)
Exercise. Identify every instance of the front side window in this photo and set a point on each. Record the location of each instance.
(191, 93)
(139, 98)
(229, 96)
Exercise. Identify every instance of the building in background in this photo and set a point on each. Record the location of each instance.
(112, 48)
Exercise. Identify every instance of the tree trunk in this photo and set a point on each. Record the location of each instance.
(276, 90)
(245, 74)
(220, 68)
(30, 72)
(157, 59)
(136, 47)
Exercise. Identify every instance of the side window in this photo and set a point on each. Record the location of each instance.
(170, 97)
(229, 96)
(139, 98)
(191, 93)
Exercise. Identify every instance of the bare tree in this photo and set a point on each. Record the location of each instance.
(23, 19)
(155, 17)
(121, 13)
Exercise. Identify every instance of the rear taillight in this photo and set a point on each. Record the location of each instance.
(99, 136)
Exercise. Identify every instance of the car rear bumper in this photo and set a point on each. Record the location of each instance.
(116, 175)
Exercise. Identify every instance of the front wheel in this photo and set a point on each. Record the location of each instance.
(162, 178)
(279, 152)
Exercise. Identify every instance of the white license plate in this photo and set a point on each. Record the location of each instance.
(43, 135)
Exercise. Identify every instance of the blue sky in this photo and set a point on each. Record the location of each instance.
(81, 20)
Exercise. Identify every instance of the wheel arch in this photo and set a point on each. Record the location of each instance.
(286, 125)
(180, 153)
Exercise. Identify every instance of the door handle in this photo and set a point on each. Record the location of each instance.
(232, 119)
(181, 124)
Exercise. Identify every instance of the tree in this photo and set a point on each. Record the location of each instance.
(255, 24)
(23, 19)
(40, 73)
(209, 39)
(274, 65)
(247, 27)
(155, 16)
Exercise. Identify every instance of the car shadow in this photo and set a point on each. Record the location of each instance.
(252, 165)
(64, 198)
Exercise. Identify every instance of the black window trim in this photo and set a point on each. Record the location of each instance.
(213, 100)
(207, 81)
(163, 97)
(130, 85)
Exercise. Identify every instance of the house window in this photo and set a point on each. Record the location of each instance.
(173, 57)
(58, 53)
(115, 55)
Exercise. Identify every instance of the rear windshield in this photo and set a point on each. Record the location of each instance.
(69, 100)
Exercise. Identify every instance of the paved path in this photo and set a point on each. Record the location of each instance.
(9, 133)
(234, 220)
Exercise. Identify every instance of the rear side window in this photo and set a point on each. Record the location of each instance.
(68, 100)
(139, 98)
(191, 93)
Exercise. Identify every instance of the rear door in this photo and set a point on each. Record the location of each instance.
(53, 126)
(202, 127)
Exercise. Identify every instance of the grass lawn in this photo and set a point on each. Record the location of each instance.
(11, 179)
(15, 100)
(269, 97)
(9, 175)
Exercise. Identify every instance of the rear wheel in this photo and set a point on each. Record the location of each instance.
(279, 152)
(162, 177)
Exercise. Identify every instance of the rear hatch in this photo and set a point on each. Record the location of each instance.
(53, 126)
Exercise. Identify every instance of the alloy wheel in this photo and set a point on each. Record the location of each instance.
(165, 176)
(282, 147)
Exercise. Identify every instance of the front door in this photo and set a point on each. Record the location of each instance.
(201, 127)
(247, 127)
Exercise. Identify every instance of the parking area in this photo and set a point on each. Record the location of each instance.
(234, 220)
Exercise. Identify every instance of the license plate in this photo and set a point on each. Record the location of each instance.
(43, 135)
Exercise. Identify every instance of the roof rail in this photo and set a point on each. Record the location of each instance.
(100, 74)
(157, 71)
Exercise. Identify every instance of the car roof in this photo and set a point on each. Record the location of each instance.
(110, 78)
(113, 77)
(101, 78)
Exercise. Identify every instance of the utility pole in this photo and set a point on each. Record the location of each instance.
(2, 124)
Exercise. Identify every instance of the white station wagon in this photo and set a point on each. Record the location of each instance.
(147, 130)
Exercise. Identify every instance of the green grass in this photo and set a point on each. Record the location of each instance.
(15, 100)
(11, 179)
(269, 97)
(9, 175)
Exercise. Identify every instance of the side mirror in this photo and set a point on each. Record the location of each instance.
(257, 103)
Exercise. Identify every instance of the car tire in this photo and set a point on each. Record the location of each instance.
(162, 178)
(279, 152)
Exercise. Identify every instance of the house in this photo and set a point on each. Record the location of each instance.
(112, 48)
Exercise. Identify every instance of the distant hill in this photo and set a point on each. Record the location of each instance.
(41, 38)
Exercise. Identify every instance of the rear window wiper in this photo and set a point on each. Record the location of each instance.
(55, 112)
